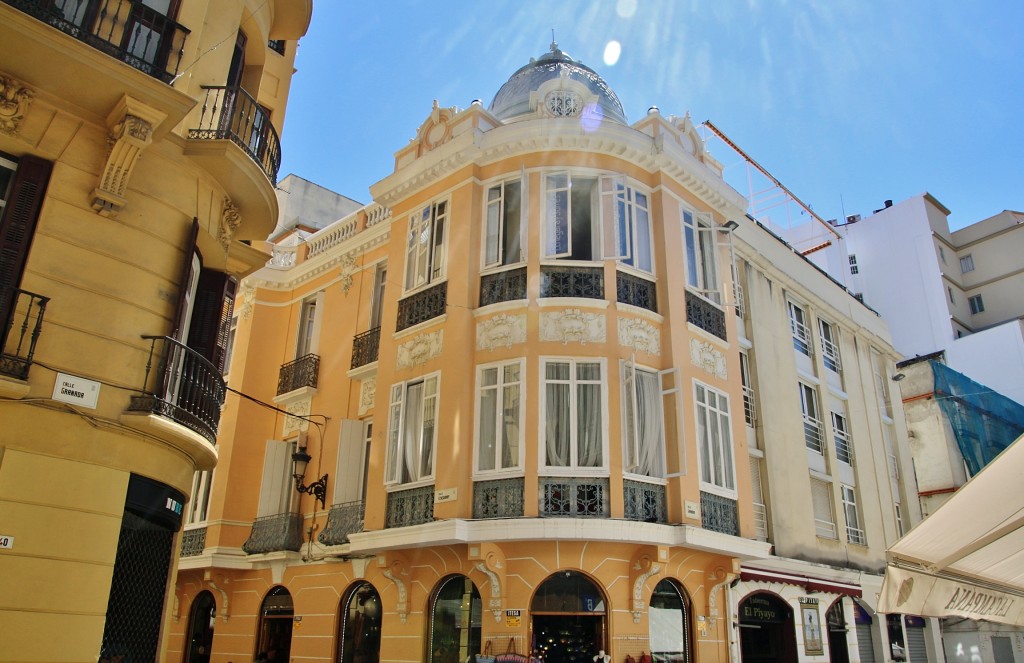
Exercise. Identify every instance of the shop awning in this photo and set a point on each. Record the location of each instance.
(967, 558)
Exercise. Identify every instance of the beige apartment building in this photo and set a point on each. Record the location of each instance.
(551, 392)
(138, 155)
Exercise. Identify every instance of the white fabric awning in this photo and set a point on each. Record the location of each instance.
(967, 558)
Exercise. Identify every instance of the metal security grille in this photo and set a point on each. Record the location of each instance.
(135, 607)
(865, 643)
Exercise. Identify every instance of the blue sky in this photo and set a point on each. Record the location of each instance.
(847, 102)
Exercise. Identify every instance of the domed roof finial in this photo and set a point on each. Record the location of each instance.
(554, 44)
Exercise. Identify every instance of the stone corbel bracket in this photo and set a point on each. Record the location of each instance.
(132, 124)
(224, 605)
(395, 568)
(490, 561)
(15, 98)
(646, 563)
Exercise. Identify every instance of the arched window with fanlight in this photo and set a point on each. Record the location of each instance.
(669, 623)
(455, 611)
(359, 628)
(274, 640)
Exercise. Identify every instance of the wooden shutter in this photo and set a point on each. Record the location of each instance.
(18, 226)
(211, 315)
(180, 312)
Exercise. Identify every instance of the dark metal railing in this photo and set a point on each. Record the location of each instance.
(182, 385)
(193, 542)
(230, 113)
(409, 507)
(275, 533)
(505, 286)
(644, 501)
(705, 315)
(635, 291)
(575, 498)
(498, 498)
(127, 30)
(22, 325)
(557, 281)
(303, 372)
(422, 306)
(719, 514)
(365, 347)
(342, 520)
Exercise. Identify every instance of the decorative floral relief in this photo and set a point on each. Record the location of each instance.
(501, 331)
(14, 101)
(301, 408)
(573, 325)
(708, 357)
(230, 220)
(348, 268)
(283, 257)
(248, 300)
(367, 395)
(420, 350)
(640, 335)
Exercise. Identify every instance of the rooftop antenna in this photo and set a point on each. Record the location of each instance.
(554, 44)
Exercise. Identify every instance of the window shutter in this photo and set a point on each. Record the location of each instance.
(275, 490)
(211, 315)
(821, 498)
(672, 408)
(348, 473)
(18, 225)
(180, 311)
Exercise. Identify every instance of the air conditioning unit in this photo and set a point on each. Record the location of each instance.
(853, 218)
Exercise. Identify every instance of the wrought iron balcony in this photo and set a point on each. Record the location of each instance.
(705, 315)
(303, 372)
(844, 447)
(571, 281)
(422, 306)
(365, 347)
(230, 113)
(275, 533)
(812, 434)
(498, 498)
(193, 542)
(505, 286)
(644, 501)
(636, 291)
(575, 498)
(719, 514)
(182, 385)
(342, 520)
(127, 30)
(22, 323)
(410, 507)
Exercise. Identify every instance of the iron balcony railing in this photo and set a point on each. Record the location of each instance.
(365, 347)
(506, 286)
(705, 315)
(760, 521)
(342, 520)
(801, 337)
(498, 498)
(422, 306)
(636, 291)
(303, 372)
(812, 434)
(749, 407)
(182, 385)
(409, 507)
(719, 514)
(230, 113)
(570, 281)
(22, 323)
(644, 501)
(127, 30)
(856, 535)
(275, 533)
(844, 447)
(193, 542)
(574, 497)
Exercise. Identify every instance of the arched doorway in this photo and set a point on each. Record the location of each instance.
(359, 628)
(669, 623)
(455, 611)
(835, 622)
(569, 619)
(201, 621)
(274, 639)
(766, 630)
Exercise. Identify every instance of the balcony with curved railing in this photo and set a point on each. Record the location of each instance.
(231, 113)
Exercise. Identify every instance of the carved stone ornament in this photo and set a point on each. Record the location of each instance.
(573, 325)
(501, 331)
(348, 268)
(229, 221)
(642, 570)
(367, 395)
(420, 349)
(282, 257)
(14, 102)
(131, 130)
(709, 358)
(640, 335)
(436, 130)
(248, 300)
(292, 424)
(396, 569)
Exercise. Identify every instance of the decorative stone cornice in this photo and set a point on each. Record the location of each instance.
(131, 130)
(15, 98)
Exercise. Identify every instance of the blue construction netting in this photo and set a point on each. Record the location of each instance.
(984, 422)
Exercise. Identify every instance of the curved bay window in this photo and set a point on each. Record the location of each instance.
(455, 611)
(274, 640)
(669, 622)
(360, 625)
(200, 628)
(569, 618)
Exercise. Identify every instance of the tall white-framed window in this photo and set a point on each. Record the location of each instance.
(749, 407)
(624, 209)
(412, 430)
(881, 375)
(798, 327)
(643, 420)
(811, 417)
(573, 415)
(854, 528)
(967, 263)
(714, 441)
(380, 282)
(976, 303)
(426, 246)
(199, 504)
(757, 495)
(505, 225)
(571, 220)
(500, 416)
(306, 342)
(828, 334)
(701, 254)
(824, 516)
(841, 433)
(899, 520)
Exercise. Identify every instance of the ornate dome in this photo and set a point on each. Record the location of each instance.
(514, 97)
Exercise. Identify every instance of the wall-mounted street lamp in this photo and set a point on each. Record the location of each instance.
(318, 489)
(729, 226)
